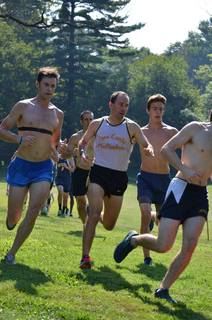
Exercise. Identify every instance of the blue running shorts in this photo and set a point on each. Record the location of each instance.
(152, 187)
(22, 172)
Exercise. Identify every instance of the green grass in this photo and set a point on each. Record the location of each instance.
(46, 283)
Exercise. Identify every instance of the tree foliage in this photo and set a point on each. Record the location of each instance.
(87, 41)
(81, 31)
(168, 76)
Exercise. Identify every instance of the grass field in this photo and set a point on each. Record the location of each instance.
(46, 283)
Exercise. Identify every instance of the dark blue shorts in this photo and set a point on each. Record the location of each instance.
(22, 172)
(151, 187)
(79, 181)
(184, 200)
(65, 182)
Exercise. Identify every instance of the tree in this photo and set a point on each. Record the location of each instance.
(204, 77)
(81, 32)
(169, 76)
(196, 49)
(17, 69)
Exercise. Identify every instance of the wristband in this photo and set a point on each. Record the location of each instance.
(20, 141)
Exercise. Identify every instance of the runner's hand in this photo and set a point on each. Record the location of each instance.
(28, 141)
(149, 151)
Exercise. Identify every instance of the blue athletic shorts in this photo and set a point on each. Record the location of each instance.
(65, 182)
(22, 172)
(184, 200)
(151, 187)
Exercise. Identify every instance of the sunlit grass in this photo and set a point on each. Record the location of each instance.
(46, 282)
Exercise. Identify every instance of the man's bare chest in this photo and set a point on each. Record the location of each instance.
(157, 137)
(203, 141)
(33, 117)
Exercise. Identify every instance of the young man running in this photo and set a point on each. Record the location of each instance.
(186, 202)
(153, 178)
(39, 124)
(114, 137)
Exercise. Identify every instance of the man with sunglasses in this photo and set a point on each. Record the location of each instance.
(80, 174)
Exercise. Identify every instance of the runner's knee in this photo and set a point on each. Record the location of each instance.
(108, 227)
(81, 203)
(189, 245)
(163, 247)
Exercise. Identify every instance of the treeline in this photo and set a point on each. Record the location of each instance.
(87, 41)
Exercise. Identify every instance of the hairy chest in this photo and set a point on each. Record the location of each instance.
(33, 116)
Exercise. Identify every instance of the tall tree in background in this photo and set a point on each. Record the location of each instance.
(88, 30)
(17, 79)
(81, 31)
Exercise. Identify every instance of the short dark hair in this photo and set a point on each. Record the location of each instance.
(84, 112)
(49, 72)
(115, 95)
(155, 98)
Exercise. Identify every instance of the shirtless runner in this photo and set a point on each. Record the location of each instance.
(39, 124)
(153, 178)
(80, 174)
(194, 170)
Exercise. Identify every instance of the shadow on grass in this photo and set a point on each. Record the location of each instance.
(113, 281)
(26, 278)
(155, 272)
(78, 233)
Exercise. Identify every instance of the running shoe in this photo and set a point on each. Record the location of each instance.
(86, 263)
(44, 211)
(9, 259)
(124, 247)
(67, 213)
(10, 226)
(148, 261)
(164, 294)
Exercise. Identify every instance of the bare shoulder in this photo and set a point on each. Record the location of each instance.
(77, 134)
(53, 107)
(190, 130)
(96, 123)
(24, 103)
(132, 124)
(194, 126)
(98, 120)
(75, 137)
(169, 129)
(20, 107)
(59, 112)
(134, 129)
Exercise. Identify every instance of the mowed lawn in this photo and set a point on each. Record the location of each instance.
(46, 283)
